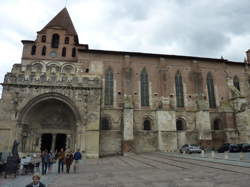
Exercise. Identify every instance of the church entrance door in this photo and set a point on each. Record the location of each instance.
(46, 142)
(60, 142)
(51, 123)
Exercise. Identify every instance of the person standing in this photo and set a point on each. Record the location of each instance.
(36, 181)
(51, 158)
(77, 157)
(45, 161)
(61, 157)
(68, 160)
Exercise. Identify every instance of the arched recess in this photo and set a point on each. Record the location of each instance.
(218, 134)
(105, 123)
(52, 67)
(236, 82)
(38, 66)
(181, 128)
(110, 136)
(147, 124)
(179, 89)
(44, 97)
(211, 91)
(109, 87)
(55, 41)
(68, 68)
(217, 124)
(144, 87)
(48, 114)
(180, 124)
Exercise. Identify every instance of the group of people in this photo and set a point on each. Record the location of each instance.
(64, 158)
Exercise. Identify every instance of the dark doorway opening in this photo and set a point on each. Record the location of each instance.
(60, 142)
(46, 142)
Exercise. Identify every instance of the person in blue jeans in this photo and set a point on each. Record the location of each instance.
(45, 161)
(77, 156)
(61, 159)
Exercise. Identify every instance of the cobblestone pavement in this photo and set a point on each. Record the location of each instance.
(145, 170)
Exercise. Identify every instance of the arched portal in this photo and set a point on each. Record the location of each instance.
(181, 132)
(48, 122)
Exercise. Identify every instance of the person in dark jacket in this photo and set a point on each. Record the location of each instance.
(68, 161)
(45, 161)
(77, 157)
(36, 181)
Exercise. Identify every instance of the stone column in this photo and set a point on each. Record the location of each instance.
(53, 142)
(19, 135)
(68, 141)
(242, 118)
(204, 128)
(128, 136)
(167, 135)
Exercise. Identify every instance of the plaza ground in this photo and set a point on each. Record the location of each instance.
(150, 170)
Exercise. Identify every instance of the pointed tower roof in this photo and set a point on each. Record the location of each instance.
(62, 19)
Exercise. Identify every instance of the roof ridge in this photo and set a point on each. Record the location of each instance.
(62, 19)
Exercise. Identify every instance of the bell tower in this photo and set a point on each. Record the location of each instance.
(58, 40)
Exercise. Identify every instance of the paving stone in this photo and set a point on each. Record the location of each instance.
(135, 171)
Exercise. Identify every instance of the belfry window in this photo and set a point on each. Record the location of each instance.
(179, 90)
(33, 50)
(64, 51)
(66, 40)
(44, 51)
(147, 125)
(144, 88)
(73, 52)
(236, 82)
(55, 41)
(105, 124)
(109, 83)
(43, 39)
(210, 89)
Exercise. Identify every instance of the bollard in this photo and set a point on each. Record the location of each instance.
(212, 154)
(241, 156)
(226, 155)
(184, 152)
(202, 153)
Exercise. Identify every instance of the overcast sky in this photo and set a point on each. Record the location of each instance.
(208, 28)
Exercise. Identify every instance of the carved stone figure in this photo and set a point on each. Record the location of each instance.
(15, 148)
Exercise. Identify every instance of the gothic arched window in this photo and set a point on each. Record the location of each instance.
(109, 84)
(180, 125)
(66, 40)
(64, 51)
(210, 89)
(55, 41)
(147, 125)
(105, 124)
(236, 82)
(144, 88)
(44, 51)
(73, 52)
(179, 90)
(33, 50)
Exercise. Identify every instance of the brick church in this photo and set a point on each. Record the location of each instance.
(64, 94)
